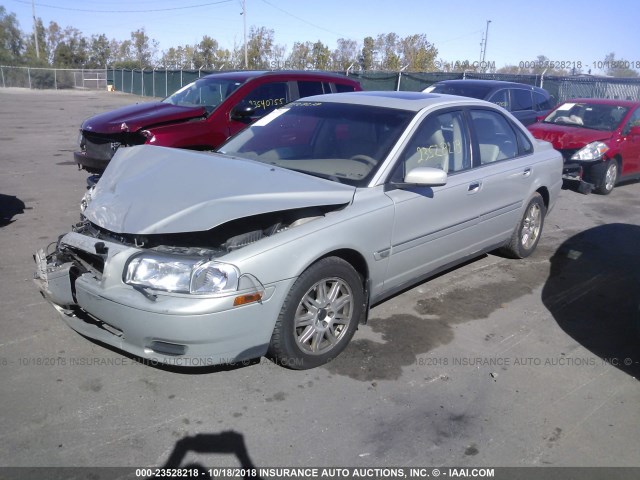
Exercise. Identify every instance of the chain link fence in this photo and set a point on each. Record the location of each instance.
(53, 78)
(162, 83)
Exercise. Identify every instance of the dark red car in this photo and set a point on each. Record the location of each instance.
(201, 115)
(599, 140)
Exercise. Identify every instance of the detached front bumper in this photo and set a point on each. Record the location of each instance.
(183, 330)
(575, 172)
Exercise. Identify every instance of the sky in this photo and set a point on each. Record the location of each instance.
(563, 30)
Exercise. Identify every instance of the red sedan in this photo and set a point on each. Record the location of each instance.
(599, 140)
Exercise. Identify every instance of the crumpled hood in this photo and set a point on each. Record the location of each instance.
(150, 190)
(142, 115)
(567, 137)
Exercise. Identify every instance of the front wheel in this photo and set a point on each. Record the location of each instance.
(319, 315)
(608, 178)
(526, 236)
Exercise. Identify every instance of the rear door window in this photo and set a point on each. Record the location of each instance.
(521, 100)
(501, 98)
(495, 136)
(541, 102)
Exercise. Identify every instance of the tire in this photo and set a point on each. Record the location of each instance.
(313, 328)
(607, 178)
(527, 234)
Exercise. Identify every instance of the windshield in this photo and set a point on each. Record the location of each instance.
(473, 91)
(588, 115)
(342, 142)
(205, 92)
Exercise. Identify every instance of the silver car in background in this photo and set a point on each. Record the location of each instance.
(280, 243)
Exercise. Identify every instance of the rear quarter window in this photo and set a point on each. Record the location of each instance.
(308, 88)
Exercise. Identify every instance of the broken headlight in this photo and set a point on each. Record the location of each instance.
(181, 274)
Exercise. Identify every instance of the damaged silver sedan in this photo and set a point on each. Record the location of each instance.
(280, 243)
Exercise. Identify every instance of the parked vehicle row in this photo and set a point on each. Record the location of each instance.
(281, 241)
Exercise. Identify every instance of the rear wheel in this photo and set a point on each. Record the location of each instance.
(526, 236)
(607, 178)
(319, 315)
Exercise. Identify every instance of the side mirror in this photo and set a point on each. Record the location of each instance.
(539, 118)
(426, 176)
(242, 112)
(635, 130)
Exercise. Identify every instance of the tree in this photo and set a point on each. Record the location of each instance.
(260, 48)
(320, 56)
(71, 50)
(301, 56)
(40, 58)
(99, 55)
(11, 42)
(618, 68)
(389, 47)
(345, 54)
(418, 53)
(206, 53)
(143, 48)
(367, 55)
(54, 37)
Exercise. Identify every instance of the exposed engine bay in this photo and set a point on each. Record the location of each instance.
(218, 241)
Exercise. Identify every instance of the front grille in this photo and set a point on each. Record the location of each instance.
(91, 261)
(99, 147)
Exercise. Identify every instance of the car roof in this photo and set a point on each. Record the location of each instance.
(244, 75)
(411, 101)
(489, 83)
(605, 101)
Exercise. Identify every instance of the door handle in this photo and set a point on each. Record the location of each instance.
(527, 172)
(474, 187)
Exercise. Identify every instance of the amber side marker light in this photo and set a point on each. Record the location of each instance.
(248, 298)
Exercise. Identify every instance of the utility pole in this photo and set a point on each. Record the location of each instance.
(486, 39)
(244, 18)
(35, 29)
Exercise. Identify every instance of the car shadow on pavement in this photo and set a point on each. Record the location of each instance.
(228, 442)
(593, 292)
(10, 206)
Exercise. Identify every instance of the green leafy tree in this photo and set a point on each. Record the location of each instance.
(320, 56)
(367, 55)
(40, 58)
(11, 41)
(99, 55)
(389, 47)
(418, 53)
(143, 48)
(72, 49)
(301, 56)
(206, 54)
(260, 48)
